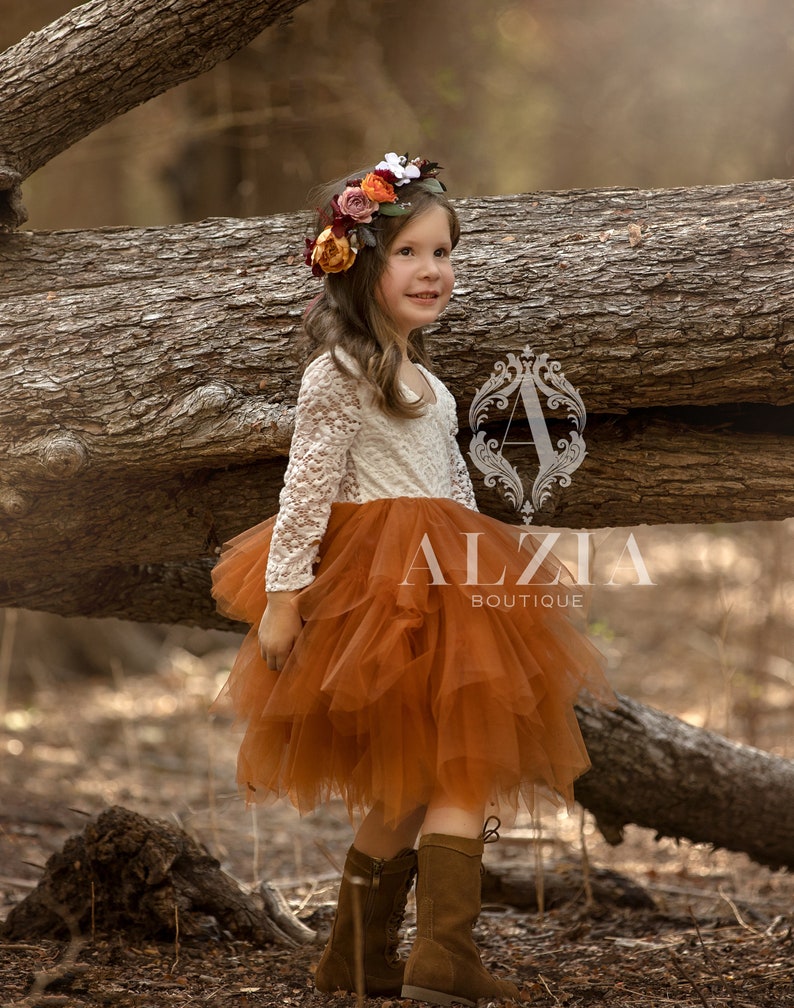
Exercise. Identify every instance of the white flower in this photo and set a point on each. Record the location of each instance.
(402, 169)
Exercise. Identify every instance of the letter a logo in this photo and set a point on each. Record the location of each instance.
(518, 383)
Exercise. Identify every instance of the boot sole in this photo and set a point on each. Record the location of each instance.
(435, 997)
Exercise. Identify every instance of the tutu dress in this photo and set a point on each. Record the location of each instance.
(436, 655)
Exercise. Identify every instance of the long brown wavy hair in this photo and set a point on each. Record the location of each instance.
(348, 316)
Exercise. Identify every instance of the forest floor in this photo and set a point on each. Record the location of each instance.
(100, 714)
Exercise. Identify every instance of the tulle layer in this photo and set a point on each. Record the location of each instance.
(436, 657)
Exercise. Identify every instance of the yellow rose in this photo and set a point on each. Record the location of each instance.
(378, 190)
(331, 253)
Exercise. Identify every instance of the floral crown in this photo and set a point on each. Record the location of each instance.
(349, 228)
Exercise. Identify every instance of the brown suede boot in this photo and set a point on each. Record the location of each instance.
(372, 898)
(444, 965)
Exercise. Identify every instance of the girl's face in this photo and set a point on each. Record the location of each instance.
(417, 282)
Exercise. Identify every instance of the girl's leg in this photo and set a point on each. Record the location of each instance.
(454, 820)
(378, 840)
(444, 965)
(361, 954)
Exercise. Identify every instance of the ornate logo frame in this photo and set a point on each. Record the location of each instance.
(523, 377)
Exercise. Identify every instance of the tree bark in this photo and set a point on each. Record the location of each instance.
(148, 377)
(653, 770)
(143, 549)
(102, 59)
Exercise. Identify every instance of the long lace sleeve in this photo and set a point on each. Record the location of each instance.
(462, 489)
(327, 419)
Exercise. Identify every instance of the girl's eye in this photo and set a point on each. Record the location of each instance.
(441, 253)
(406, 251)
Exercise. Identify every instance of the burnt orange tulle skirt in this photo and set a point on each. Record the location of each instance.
(433, 661)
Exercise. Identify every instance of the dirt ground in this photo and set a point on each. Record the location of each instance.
(97, 714)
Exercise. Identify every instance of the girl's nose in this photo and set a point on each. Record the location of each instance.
(428, 266)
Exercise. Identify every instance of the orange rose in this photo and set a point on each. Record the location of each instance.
(331, 253)
(378, 190)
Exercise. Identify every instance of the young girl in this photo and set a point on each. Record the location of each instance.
(372, 670)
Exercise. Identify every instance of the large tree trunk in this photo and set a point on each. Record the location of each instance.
(102, 59)
(148, 378)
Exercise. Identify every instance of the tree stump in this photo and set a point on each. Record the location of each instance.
(145, 877)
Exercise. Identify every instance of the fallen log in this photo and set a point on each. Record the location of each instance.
(656, 771)
(148, 378)
(560, 882)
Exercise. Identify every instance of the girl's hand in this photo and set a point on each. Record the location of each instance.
(279, 628)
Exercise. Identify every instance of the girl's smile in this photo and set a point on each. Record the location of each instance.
(417, 283)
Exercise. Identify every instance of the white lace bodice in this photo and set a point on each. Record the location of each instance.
(345, 448)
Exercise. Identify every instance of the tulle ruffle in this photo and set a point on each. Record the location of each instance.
(426, 665)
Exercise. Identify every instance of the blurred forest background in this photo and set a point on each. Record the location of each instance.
(510, 97)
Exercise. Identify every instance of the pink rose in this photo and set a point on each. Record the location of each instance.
(355, 203)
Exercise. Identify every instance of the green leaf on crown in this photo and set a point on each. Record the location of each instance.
(392, 209)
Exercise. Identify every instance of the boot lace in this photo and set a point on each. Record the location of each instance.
(395, 921)
(490, 834)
